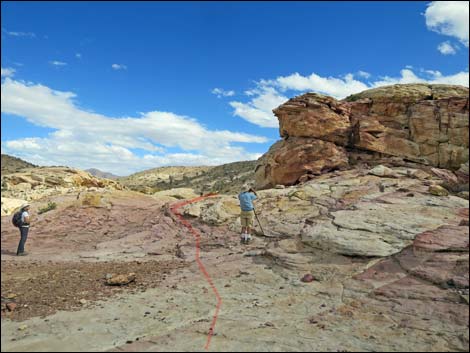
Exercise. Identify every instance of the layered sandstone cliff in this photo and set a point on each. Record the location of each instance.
(36, 183)
(422, 123)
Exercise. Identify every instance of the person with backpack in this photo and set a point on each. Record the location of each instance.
(247, 212)
(21, 220)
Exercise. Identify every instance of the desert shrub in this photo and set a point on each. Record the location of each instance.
(93, 200)
(50, 206)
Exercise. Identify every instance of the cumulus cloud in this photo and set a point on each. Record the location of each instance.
(119, 67)
(269, 94)
(432, 76)
(85, 139)
(219, 92)
(446, 48)
(57, 63)
(8, 72)
(333, 86)
(450, 18)
(259, 110)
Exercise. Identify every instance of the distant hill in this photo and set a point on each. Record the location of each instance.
(226, 178)
(100, 174)
(12, 164)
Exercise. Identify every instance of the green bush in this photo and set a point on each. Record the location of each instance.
(50, 206)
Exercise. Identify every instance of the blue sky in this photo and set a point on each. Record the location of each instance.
(127, 86)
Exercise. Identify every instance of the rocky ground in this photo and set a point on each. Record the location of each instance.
(39, 289)
(39, 183)
(388, 259)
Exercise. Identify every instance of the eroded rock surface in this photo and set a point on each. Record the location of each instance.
(423, 123)
(352, 212)
(288, 160)
(40, 182)
(415, 299)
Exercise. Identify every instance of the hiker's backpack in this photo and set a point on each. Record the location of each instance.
(16, 220)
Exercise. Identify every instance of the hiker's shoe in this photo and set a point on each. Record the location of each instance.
(246, 238)
(22, 254)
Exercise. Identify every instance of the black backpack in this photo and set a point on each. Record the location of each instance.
(16, 220)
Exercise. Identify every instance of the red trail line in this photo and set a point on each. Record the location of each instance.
(174, 208)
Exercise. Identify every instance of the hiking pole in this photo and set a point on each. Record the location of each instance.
(262, 231)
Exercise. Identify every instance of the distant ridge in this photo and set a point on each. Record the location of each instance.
(12, 164)
(225, 178)
(100, 174)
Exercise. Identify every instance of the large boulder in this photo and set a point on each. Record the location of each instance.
(426, 124)
(315, 115)
(11, 205)
(382, 228)
(176, 194)
(288, 160)
(433, 132)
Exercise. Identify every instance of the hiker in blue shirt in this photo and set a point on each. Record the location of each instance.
(247, 213)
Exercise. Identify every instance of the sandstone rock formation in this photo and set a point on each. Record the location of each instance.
(175, 194)
(389, 262)
(36, 183)
(10, 205)
(286, 161)
(422, 123)
(351, 212)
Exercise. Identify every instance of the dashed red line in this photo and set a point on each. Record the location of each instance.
(174, 208)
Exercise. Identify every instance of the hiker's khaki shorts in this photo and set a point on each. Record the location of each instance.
(246, 218)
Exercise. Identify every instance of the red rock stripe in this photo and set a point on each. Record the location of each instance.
(174, 208)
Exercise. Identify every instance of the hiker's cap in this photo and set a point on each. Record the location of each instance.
(25, 205)
(247, 186)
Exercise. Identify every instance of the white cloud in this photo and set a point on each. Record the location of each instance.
(363, 74)
(8, 72)
(408, 76)
(85, 139)
(78, 55)
(460, 78)
(19, 34)
(336, 87)
(266, 96)
(446, 48)
(432, 73)
(450, 18)
(57, 63)
(119, 67)
(259, 110)
(219, 92)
